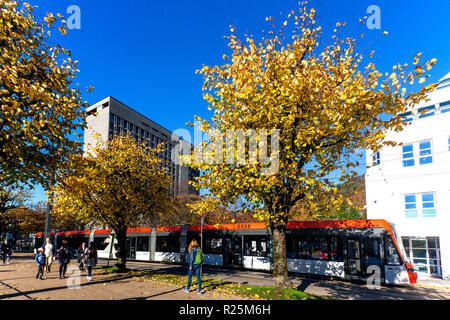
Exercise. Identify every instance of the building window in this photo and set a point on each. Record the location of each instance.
(428, 205)
(408, 155)
(426, 112)
(445, 106)
(424, 253)
(425, 152)
(407, 116)
(91, 112)
(376, 158)
(410, 206)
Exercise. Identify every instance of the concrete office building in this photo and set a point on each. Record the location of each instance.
(409, 184)
(109, 116)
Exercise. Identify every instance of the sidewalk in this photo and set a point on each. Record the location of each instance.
(18, 281)
(434, 283)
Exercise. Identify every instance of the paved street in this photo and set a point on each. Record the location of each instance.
(17, 281)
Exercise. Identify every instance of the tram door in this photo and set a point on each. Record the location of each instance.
(362, 254)
(232, 251)
(131, 247)
(354, 257)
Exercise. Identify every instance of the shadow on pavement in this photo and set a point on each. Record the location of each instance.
(26, 293)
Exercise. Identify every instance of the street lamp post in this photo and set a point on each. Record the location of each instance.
(201, 242)
(48, 219)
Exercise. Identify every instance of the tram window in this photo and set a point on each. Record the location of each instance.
(213, 245)
(255, 246)
(313, 248)
(336, 249)
(372, 252)
(101, 243)
(290, 247)
(168, 244)
(392, 257)
(142, 244)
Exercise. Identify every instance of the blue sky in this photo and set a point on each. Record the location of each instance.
(145, 53)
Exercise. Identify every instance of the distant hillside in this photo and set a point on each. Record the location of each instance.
(354, 190)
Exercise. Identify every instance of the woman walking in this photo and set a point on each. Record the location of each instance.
(194, 265)
(91, 260)
(82, 252)
(63, 255)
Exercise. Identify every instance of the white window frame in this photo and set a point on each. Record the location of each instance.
(416, 156)
(430, 155)
(376, 158)
(419, 209)
(444, 106)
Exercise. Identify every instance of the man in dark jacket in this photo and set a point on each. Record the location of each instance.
(63, 255)
(6, 251)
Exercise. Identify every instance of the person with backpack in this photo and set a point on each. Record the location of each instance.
(63, 255)
(195, 260)
(91, 259)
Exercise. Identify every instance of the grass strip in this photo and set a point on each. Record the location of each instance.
(218, 286)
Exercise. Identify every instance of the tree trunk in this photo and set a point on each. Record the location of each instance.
(280, 271)
(121, 252)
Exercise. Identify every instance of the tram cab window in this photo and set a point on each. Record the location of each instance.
(313, 248)
(168, 244)
(213, 245)
(255, 246)
(142, 244)
(392, 256)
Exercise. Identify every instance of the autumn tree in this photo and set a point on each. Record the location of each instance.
(10, 199)
(30, 218)
(318, 103)
(39, 105)
(119, 183)
(27, 219)
(180, 213)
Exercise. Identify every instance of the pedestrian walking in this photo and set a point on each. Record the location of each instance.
(82, 253)
(63, 256)
(91, 260)
(40, 261)
(195, 261)
(49, 250)
(6, 251)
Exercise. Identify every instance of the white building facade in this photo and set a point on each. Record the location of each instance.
(409, 184)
